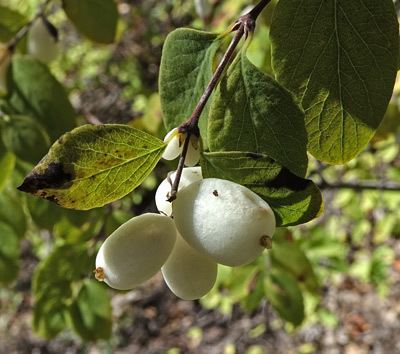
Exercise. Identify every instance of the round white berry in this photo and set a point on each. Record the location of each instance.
(189, 274)
(224, 220)
(189, 175)
(135, 251)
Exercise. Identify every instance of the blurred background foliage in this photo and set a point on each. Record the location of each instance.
(329, 286)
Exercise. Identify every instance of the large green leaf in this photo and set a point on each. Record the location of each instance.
(35, 92)
(9, 254)
(186, 68)
(294, 200)
(339, 58)
(24, 137)
(95, 19)
(252, 112)
(285, 296)
(10, 22)
(91, 313)
(94, 165)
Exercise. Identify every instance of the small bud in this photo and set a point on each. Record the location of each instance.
(174, 145)
(193, 154)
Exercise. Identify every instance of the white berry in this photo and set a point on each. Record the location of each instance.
(189, 274)
(135, 251)
(42, 43)
(189, 175)
(224, 220)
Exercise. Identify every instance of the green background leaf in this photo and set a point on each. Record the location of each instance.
(9, 254)
(287, 255)
(91, 311)
(294, 200)
(7, 164)
(186, 68)
(12, 212)
(10, 22)
(52, 286)
(252, 112)
(35, 92)
(24, 137)
(94, 165)
(285, 296)
(339, 58)
(95, 19)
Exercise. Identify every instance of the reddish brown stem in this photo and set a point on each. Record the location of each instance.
(243, 26)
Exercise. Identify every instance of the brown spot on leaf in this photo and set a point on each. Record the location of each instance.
(53, 177)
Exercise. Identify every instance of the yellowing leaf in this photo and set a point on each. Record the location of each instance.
(94, 165)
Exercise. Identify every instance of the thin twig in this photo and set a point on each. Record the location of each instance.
(360, 186)
(243, 26)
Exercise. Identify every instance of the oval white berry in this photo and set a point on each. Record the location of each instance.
(188, 273)
(42, 41)
(189, 175)
(224, 220)
(174, 145)
(135, 251)
(5, 58)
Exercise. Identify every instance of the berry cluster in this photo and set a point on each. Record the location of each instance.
(211, 221)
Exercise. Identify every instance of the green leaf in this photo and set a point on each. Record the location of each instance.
(10, 22)
(284, 294)
(94, 165)
(35, 92)
(252, 112)
(290, 257)
(9, 254)
(186, 68)
(44, 213)
(294, 200)
(24, 137)
(52, 287)
(339, 58)
(95, 19)
(50, 314)
(91, 313)
(65, 264)
(12, 212)
(7, 164)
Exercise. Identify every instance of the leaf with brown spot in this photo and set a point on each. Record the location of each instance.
(94, 165)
